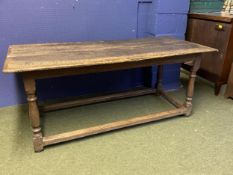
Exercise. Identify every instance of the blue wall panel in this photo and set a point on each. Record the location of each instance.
(42, 21)
(170, 23)
(171, 6)
(146, 20)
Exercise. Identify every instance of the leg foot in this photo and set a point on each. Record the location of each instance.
(38, 142)
(189, 106)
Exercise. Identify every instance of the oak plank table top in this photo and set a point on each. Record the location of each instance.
(38, 61)
(34, 57)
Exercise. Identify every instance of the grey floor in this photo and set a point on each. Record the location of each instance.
(198, 145)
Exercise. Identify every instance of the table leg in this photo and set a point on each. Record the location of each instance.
(34, 115)
(190, 90)
(159, 85)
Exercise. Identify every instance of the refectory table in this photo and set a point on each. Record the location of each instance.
(40, 61)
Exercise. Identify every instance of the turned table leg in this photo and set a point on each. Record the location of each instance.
(34, 115)
(159, 85)
(190, 90)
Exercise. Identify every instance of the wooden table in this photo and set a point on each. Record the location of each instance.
(40, 61)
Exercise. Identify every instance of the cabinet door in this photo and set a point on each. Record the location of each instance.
(210, 34)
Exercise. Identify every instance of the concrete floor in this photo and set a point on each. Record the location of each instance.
(199, 145)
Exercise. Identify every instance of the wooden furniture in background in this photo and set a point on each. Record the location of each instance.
(39, 61)
(229, 90)
(213, 30)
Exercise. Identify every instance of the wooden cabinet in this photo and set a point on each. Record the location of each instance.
(214, 30)
(229, 90)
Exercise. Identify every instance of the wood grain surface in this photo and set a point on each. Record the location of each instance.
(220, 17)
(37, 57)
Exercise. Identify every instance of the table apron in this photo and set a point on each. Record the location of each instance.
(52, 73)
